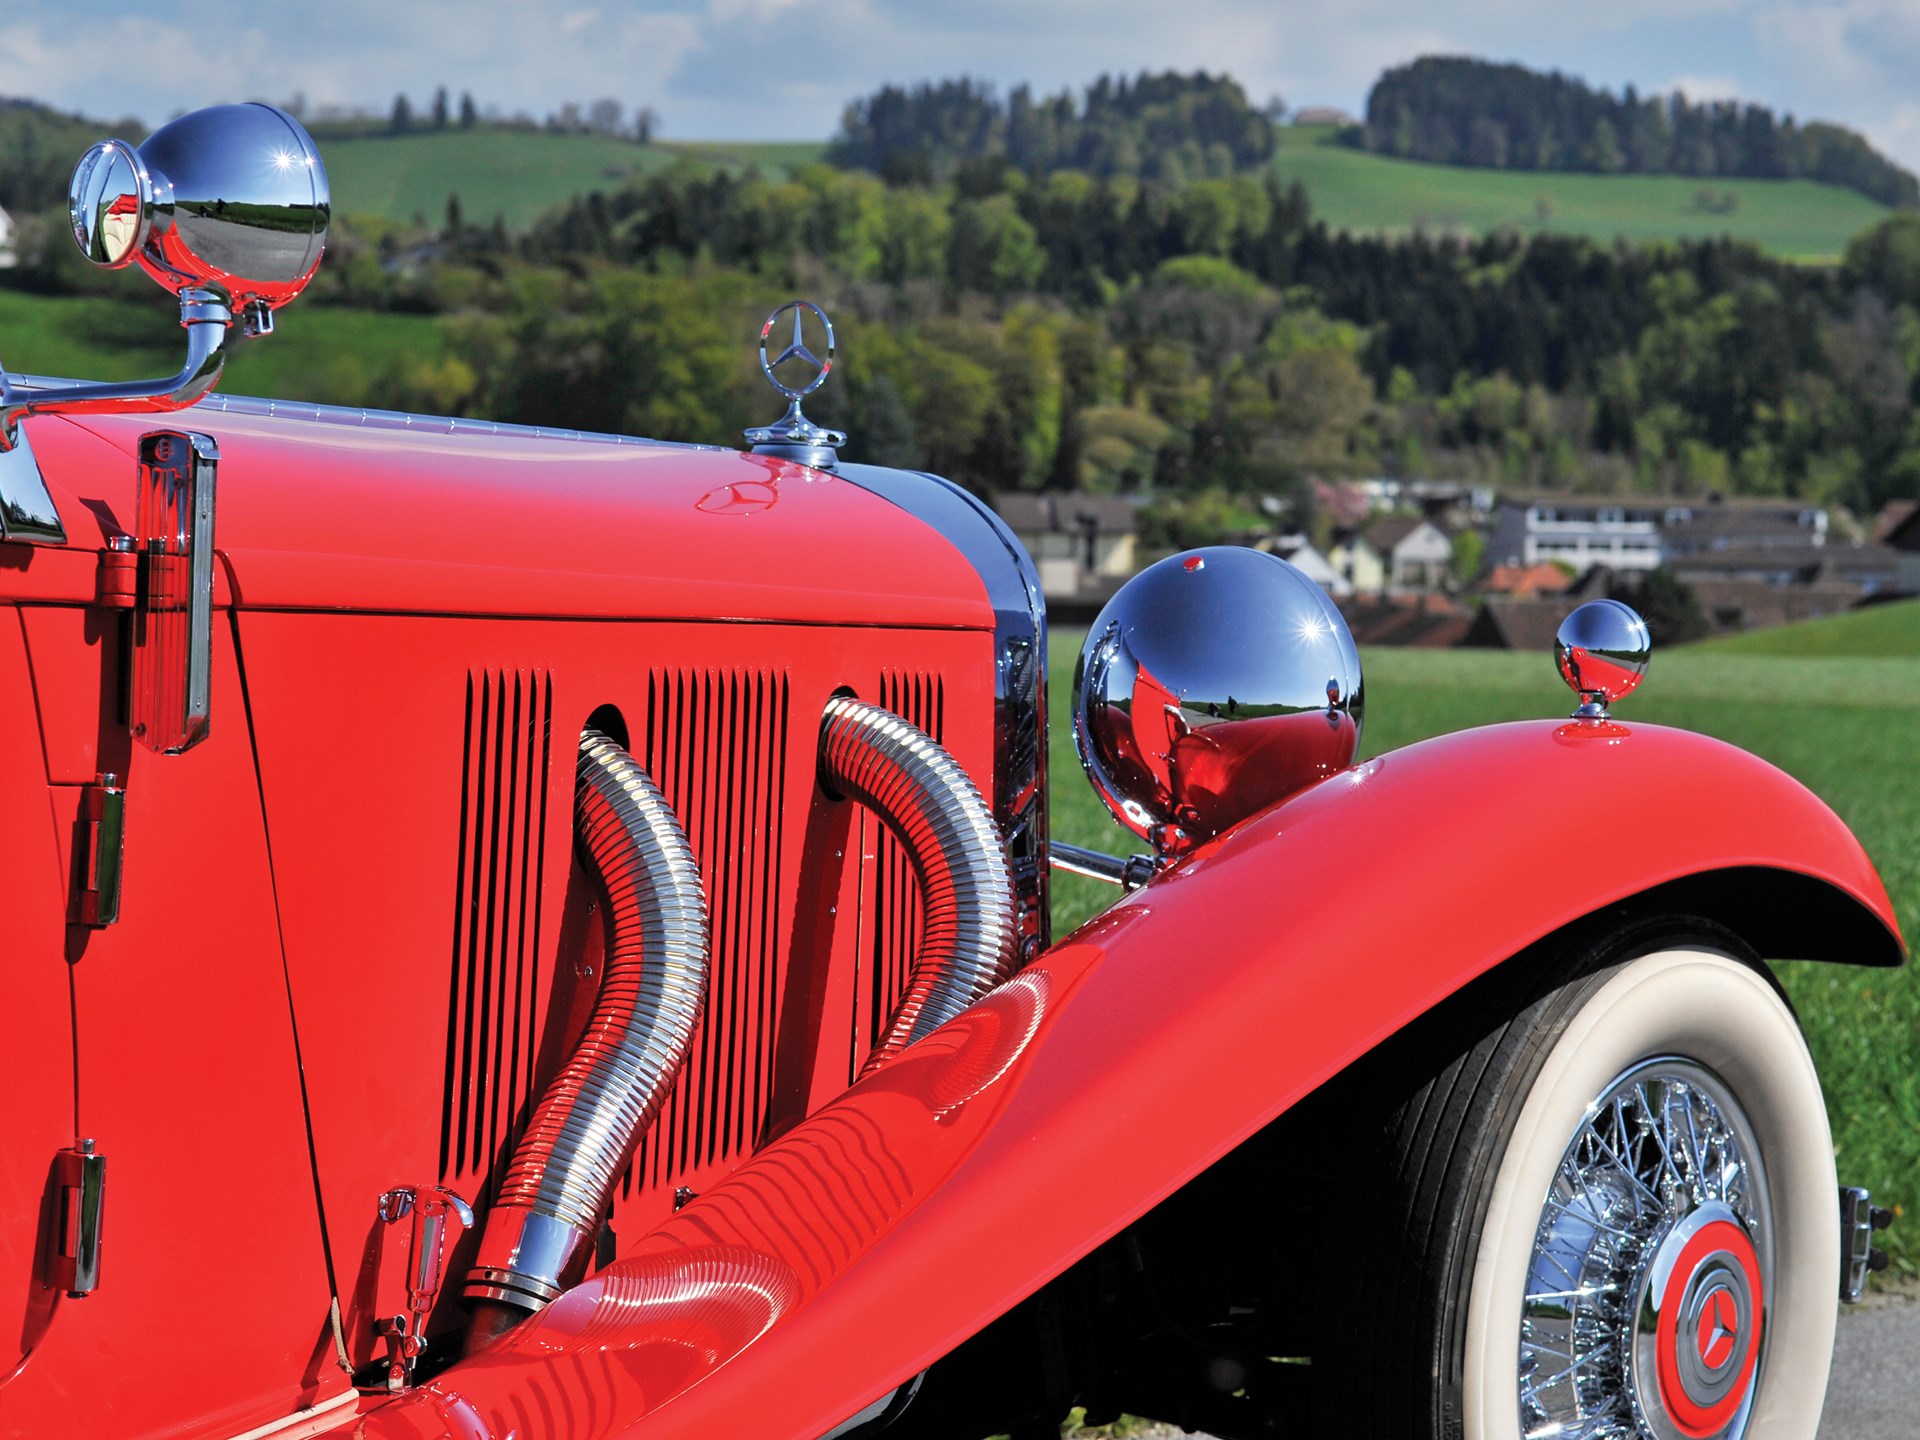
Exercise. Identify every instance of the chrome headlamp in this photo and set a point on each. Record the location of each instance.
(232, 199)
(1214, 684)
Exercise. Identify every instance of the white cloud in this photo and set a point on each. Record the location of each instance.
(1701, 88)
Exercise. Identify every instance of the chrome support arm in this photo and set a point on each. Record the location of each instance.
(1128, 872)
(206, 318)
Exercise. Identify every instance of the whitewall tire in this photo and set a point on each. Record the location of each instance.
(1601, 1205)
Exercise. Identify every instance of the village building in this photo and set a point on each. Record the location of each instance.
(1299, 552)
(1082, 544)
(1418, 553)
(1898, 528)
(1359, 564)
(9, 257)
(1532, 529)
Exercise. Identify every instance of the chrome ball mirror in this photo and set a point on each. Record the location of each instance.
(232, 199)
(1214, 684)
(1602, 650)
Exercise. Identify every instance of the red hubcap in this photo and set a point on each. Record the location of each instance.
(1709, 1330)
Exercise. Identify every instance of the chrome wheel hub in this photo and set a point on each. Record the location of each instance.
(1646, 1289)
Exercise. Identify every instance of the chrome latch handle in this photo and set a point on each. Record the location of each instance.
(80, 1197)
(430, 1207)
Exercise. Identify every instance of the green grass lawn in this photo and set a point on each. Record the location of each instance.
(1847, 724)
(139, 335)
(1353, 190)
(516, 174)
(1891, 631)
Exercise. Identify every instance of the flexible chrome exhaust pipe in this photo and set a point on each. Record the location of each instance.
(970, 937)
(583, 1134)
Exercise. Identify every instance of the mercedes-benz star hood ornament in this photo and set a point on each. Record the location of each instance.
(793, 436)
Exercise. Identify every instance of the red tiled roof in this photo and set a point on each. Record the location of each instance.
(1545, 578)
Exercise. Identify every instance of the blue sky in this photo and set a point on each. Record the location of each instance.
(780, 69)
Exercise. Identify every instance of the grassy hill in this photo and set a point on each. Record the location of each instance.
(1353, 190)
(1885, 631)
(515, 174)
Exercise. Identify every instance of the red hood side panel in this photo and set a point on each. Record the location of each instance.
(321, 516)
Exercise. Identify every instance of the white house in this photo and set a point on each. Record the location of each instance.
(1300, 552)
(7, 255)
(1581, 532)
(1418, 553)
(1081, 543)
(1363, 566)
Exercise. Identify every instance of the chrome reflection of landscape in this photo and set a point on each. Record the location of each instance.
(1214, 684)
(107, 203)
(233, 197)
(1603, 649)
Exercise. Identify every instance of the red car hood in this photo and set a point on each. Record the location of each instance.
(325, 516)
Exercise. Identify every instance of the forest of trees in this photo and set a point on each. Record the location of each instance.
(38, 147)
(1206, 343)
(1164, 127)
(1453, 110)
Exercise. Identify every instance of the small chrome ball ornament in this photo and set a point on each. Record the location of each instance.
(1214, 684)
(1602, 650)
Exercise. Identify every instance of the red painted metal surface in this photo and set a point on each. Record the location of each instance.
(36, 1031)
(318, 516)
(211, 1311)
(374, 844)
(901, 1217)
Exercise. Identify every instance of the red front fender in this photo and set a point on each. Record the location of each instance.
(905, 1215)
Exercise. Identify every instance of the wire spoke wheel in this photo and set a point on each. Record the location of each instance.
(1663, 1156)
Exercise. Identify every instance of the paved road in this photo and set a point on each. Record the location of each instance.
(1874, 1393)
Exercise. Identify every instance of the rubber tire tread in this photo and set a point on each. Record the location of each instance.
(1390, 1318)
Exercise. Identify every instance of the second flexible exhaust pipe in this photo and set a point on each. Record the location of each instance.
(970, 937)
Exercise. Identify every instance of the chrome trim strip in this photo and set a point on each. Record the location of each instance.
(27, 511)
(369, 419)
(1020, 671)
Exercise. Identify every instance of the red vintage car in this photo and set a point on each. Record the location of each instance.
(516, 933)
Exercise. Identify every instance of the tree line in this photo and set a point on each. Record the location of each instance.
(1206, 344)
(1166, 127)
(1454, 110)
(38, 148)
(1213, 338)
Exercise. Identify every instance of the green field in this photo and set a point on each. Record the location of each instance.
(138, 336)
(1845, 724)
(1891, 631)
(515, 174)
(1353, 190)
(518, 174)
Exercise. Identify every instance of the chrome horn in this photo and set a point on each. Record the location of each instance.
(226, 207)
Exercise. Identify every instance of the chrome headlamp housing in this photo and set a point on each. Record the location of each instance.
(232, 199)
(1214, 684)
